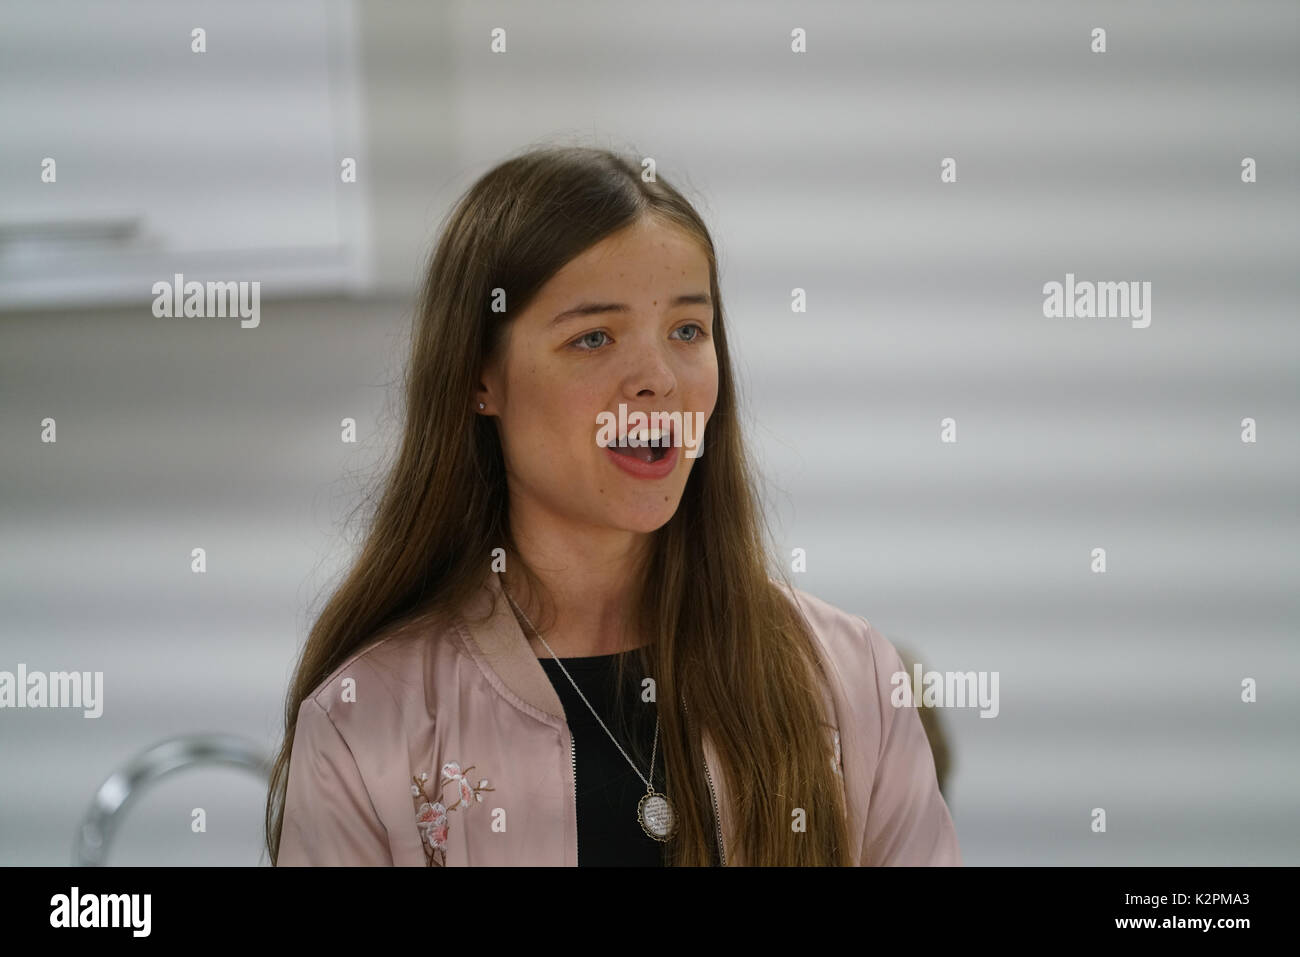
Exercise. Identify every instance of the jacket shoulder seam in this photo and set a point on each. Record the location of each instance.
(353, 758)
(875, 684)
(364, 655)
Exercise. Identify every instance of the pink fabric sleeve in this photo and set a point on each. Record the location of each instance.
(907, 820)
(328, 816)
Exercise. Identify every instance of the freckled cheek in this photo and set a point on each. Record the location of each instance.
(579, 426)
(704, 394)
(565, 450)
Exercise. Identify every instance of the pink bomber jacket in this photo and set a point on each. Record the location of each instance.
(452, 749)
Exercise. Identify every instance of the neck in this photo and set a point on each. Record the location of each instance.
(592, 581)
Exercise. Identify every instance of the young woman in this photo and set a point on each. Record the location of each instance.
(565, 641)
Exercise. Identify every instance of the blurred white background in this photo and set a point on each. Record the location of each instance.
(818, 171)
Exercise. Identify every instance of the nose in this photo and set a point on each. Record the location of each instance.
(651, 374)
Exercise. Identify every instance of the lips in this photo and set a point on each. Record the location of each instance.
(648, 450)
(644, 463)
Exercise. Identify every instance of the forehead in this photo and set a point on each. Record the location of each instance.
(648, 256)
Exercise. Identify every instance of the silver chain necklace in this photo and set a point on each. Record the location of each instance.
(654, 812)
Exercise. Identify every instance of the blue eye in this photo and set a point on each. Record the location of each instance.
(583, 345)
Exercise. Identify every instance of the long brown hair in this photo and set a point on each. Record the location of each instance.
(724, 640)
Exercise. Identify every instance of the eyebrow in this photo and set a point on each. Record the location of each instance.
(596, 308)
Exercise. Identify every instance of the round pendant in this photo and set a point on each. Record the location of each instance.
(656, 816)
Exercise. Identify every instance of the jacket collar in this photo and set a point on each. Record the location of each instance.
(496, 641)
(501, 646)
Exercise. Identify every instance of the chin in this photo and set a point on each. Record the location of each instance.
(648, 521)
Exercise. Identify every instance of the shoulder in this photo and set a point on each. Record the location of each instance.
(897, 811)
(857, 649)
(388, 677)
(861, 672)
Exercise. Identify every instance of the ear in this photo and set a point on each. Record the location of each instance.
(490, 387)
(492, 373)
(484, 398)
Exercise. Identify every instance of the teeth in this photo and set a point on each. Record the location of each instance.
(643, 436)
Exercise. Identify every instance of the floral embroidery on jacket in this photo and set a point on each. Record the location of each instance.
(431, 815)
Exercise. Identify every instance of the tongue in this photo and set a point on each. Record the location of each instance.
(645, 453)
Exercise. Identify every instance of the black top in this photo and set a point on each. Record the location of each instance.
(609, 790)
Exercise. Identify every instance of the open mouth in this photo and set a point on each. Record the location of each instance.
(645, 445)
(649, 454)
